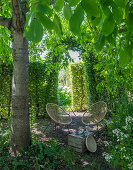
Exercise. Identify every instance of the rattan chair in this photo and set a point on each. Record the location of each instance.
(94, 114)
(58, 115)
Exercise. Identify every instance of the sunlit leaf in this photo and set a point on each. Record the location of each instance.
(59, 5)
(91, 8)
(58, 26)
(67, 12)
(34, 32)
(29, 18)
(73, 2)
(108, 25)
(44, 9)
(124, 56)
(46, 22)
(76, 19)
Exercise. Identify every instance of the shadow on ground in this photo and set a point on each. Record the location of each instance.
(86, 160)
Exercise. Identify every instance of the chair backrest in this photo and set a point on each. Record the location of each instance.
(95, 113)
(58, 114)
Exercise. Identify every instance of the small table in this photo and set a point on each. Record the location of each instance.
(77, 141)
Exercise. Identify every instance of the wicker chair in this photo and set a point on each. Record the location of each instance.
(58, 115)
(94, 114)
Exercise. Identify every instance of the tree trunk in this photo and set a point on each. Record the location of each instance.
(20, 127)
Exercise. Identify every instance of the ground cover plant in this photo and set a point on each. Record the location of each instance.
(39, 155)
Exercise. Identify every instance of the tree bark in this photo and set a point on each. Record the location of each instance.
(20, 126)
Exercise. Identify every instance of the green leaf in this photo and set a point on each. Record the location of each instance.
(76, 19)
(106, 10)
(28, 34)
(46, 22)
(59, 5)
(34, 32)
(99, 43)
(73, 2)
(29, 18)
(130, 22)
(120, 3)
(96, 20)
(67, 12)
(108, 25)
(58, 26)
(45, 2)
(44, 9)
(117, 13)
(111, 39)
(91, 8)
(124, 56)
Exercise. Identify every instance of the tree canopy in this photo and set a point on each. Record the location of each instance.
(111, 20)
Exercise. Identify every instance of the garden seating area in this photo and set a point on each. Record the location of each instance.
(81, 138)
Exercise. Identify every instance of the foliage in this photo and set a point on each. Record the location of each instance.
(40, 155)
(42, 86)
(78, 83)
(64, 96)
(92, 77)
(5, 90)
(119, 146)
(4, 137)
(64, 77)
(115, 80)
(110, 18)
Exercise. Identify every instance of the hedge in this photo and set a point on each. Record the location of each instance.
(78, 84)
(43, 85)
(92, 77)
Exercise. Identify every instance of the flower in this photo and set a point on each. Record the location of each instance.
(107, 156)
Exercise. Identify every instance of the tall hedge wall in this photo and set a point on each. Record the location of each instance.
(78, 84)
(43, 85)
(92, 77)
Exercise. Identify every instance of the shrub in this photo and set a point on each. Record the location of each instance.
(64, 96)
(120, 133)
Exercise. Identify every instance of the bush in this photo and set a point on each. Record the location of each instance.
(121, 137)
(64, 96)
